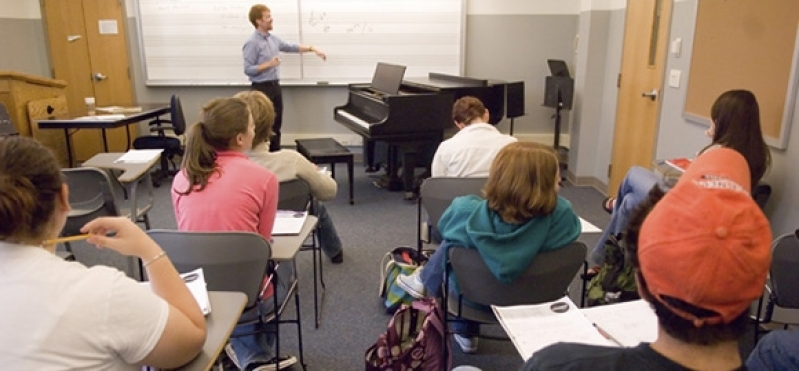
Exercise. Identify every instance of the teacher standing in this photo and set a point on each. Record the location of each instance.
(262, 63)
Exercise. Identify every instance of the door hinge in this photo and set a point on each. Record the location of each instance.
(610, 168)
(618, 80)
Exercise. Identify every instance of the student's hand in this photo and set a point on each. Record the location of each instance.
(128, 238)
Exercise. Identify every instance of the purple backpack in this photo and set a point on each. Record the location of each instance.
(415, 340)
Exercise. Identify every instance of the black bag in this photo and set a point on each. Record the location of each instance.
(615, 281)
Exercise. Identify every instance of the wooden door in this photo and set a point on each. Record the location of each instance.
(88, 49)
(640, 86)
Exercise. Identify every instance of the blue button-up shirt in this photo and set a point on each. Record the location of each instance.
(261, 48)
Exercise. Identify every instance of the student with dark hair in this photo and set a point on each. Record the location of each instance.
(520, 216)
(701, 256)
(469, 153)
(735, 124)
(220, 189)
(290, 164)
(63, 315)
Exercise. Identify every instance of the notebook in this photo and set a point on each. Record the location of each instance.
(288, 222)
(195, 281)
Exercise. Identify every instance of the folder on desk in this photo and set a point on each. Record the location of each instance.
(289, 223)
(139, 156)
(195, 281)
(534, 327)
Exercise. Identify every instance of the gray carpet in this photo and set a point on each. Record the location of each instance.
(352, 314)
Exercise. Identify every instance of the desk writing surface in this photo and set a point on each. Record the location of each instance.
(131, 172)
(149, 110)
(286, 247)
(226, 308)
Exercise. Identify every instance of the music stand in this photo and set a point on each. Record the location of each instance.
(514, 101)
(558, 94)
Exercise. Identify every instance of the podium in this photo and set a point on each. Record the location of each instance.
(17, 90)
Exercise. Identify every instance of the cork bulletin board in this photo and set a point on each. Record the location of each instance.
(743, 44)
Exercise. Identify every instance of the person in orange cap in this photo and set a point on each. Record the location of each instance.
(701, 255)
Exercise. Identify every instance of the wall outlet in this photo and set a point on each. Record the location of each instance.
(674, 78)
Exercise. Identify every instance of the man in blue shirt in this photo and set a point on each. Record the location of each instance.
(262, 63)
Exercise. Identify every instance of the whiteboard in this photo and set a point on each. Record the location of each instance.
(198, 42)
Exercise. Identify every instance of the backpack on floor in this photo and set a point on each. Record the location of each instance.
(415, 340)
(402, 260)
(615, 281)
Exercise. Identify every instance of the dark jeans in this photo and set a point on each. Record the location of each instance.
(272, 90)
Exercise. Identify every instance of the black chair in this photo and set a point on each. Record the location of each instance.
(7, 127)
(435, 195)
(546, 279)
(172, 145)
(782, 279)
(761, 194)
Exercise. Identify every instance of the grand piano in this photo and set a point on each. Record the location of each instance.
(414, 121)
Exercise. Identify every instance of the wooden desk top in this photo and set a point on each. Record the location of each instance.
(226, 308)
(131, 172)
(284, 248)
(149, 110)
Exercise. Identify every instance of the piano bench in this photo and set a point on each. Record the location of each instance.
(327, 151)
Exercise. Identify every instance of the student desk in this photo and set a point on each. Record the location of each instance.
(285, 248)
(132, 175)
(226, 308)
(98, 122)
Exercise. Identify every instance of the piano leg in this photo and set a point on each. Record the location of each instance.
(391, 181)
(369, 155)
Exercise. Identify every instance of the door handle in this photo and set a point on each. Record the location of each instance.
(99, 76)
(652, 95)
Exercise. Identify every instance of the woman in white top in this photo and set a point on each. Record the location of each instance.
(63, 315)
(469, 153)
(288, 165)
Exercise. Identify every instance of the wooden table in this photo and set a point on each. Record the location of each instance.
(226, 308)
(98, 122)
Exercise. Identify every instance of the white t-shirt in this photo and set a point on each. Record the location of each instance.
(62, 315)
(469, 153)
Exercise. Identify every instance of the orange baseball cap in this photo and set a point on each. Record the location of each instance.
(707, 242)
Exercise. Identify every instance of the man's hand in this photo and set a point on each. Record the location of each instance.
(272, 63)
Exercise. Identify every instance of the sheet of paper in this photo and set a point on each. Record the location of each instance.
(118, 109)
(588, 227)
(533, 327)
(101, 117)
(629, 323)
(195, 281)
(139, 156)
(288, 222)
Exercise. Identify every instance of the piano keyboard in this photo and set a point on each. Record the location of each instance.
(354, 119)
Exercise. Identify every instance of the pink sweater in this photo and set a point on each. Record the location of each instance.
(241, 196)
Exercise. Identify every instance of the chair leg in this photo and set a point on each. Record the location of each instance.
(299, 326)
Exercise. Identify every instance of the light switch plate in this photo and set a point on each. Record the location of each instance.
(676, 47)
(674, 78)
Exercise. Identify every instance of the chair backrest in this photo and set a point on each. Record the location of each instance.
(784, 272)
(437, 193)
(294, 195)
(7, 127)
(178, 118)
(231, 261)
(546, 279)
(90, 196)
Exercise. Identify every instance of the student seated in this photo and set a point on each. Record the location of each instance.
(520, 216)
(735, 124)
(63, 315)
(288, 165)
(775, 351)
(220, 189)
(469, 153)
(701, 256)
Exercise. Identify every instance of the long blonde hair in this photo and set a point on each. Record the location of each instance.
(263, 114)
